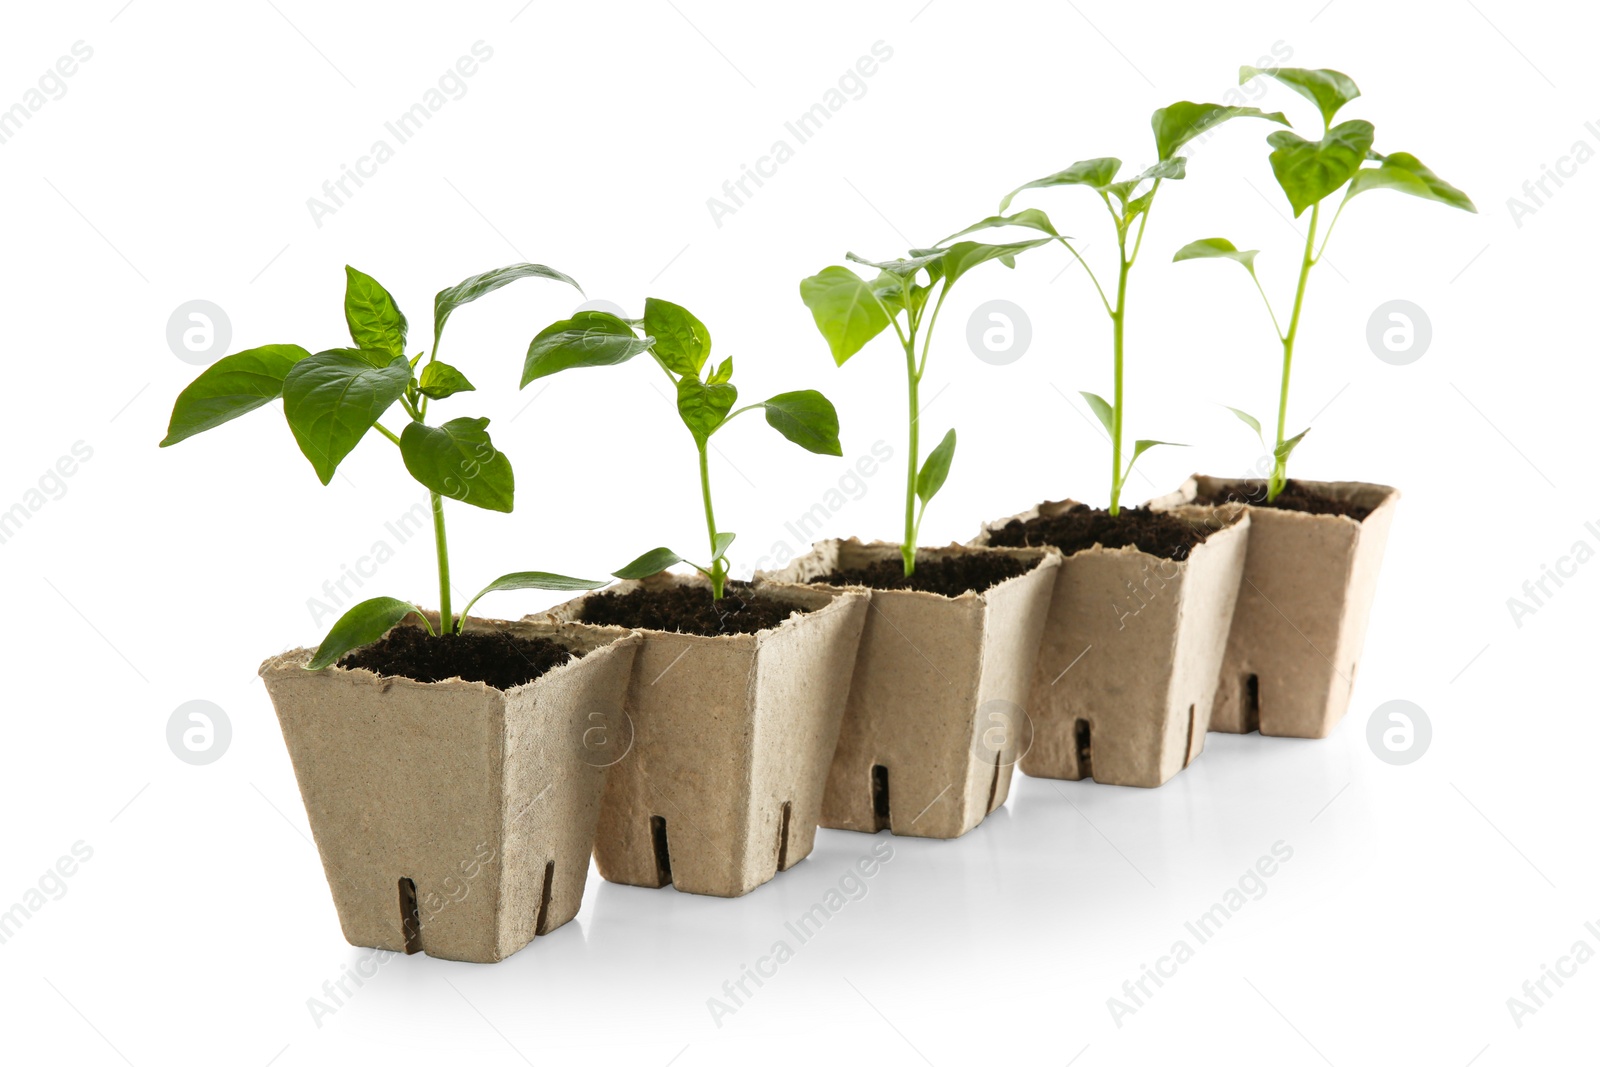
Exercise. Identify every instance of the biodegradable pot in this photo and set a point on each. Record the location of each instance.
(936, 715)
(453, 818)
(1132, 647)
(722, 784)
(1302, 615)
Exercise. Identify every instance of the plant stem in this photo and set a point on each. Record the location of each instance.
(446, 624)
(1116, 385)
(908, 544)
(1280, 462)
(718, 567)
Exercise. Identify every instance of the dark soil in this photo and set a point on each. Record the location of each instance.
(1295, 497)
(949, 576)
(1155, 532)
(497, 659)
(688, 609)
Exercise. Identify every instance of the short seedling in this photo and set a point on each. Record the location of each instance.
(681, 345)
(332, 398)
(850, 311)
(1174, 126)
(1309, 172)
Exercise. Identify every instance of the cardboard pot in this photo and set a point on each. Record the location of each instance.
(936, 715)
(721, 784)
(453, 818)
(1128, 665)
(1301, 620)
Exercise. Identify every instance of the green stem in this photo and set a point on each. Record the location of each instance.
(1117, 318)
(385, 431)
(446, 624)
(719, 567)
(1280, 462)
(908, 544)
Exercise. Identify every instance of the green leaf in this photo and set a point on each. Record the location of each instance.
(588, 339)
(530, 580)
(1142, 446)
(702, 407)
(1102, 411)
(1217, 248)
(362, 625)
(720, 545)
(903, 267)
(847, 313)
(1310, 170)
(807, 418)
(374, 318)
(1031, 218)
(964, 255)
(230, 387)
(1328, 89)
(1404, 172)
(464, 292)
(936, 468)
(440, 380)
(458, 460)
(1179, 123)
(682, 341)
(722, 373)
(1248, 419)
(1283, 450)
(1096, 173)
(332, 399)
(652, 562)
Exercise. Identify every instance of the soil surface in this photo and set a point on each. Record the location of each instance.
(1155, 532)
(688, 609)
(497, 659)
(947, 576)
(1295, 497)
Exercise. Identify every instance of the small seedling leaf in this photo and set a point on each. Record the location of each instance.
(721, 544)
(469, 289)
(440, 380)
(1102, 411)
(458, 460)
(1097, 174)
(362, 625)
(1307, 171)
(560, 583)
(703, 407)
(807, 418)
(965, 255)
(588, 339)
(652, 562)
(1248, 419)
(846, 311)
(230, 387)
(1328, 89)
(331, 400)
(374, 318)
(1283, 450)
(1030, 218)
(681, 340)
(1404, 173)
(1181, 122)
(936, 468)
(1217, 248)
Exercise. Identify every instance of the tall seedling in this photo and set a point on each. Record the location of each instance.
(680, 344)
(1128, 202)
(1309, 172)
(332, 398)
(850, 311)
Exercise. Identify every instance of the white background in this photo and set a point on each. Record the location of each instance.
(177, 166)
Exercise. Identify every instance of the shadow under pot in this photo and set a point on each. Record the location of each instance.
(732, 717)
(1309, 579)
(1128, 665)
(936, 716)
(453, 816)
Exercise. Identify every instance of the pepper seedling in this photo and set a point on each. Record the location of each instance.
(849, 311)
(1309, 172)
(1174, 126)
(332, 398)
(680, 344)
